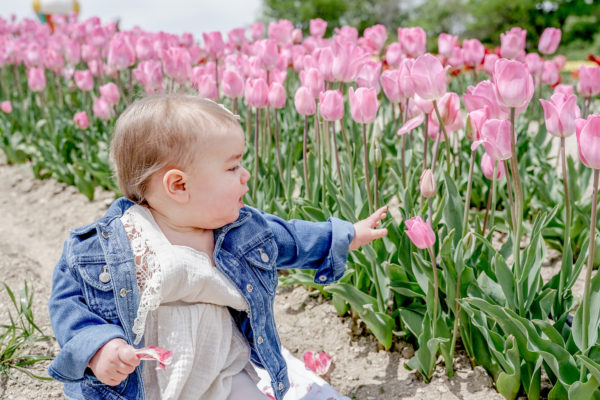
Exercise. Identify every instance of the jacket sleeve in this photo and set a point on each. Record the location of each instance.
(79, 331)
(313, 245)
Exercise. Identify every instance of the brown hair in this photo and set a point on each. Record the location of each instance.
(161, 131)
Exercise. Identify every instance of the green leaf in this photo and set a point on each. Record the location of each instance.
(585, 391)
(506, 280)
(453, 212)
(594, 317)
(508, 384)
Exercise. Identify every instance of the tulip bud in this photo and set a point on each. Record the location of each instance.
(419, 232)
(427, 184)
(81, 120)
(6, 106)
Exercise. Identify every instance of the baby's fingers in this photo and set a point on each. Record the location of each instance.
(377, 216)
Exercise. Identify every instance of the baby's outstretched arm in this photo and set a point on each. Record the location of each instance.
(364, 231)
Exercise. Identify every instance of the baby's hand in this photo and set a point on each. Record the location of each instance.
(364, 232)
(114, 361)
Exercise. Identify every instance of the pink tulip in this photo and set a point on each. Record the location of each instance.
(449, 108)
(495, 137)
(205, 84)
(149, 74)
(256, 93)
(363, 104)
(457, 59)
(267, 52)
(368, 75)
(237, 36)
(420, 232)
(317, 363)
(487, 167)
(411, 124)
(477, 118)
(276, 95)
(425, 106)
(281, 31)
(332, 105)
(89, 53)
(324, 59)
(429, 77)
(427, 184)
(588, 140)
(484, 95)
(102, 109)
(213, 44)
(489, 62)
(54, 61)
(317, 27)
(473, 52)
(277, 75)
(564, 89)
(84, 80)
(110, 93)
(391, 85)
(232, 84)
(513, 83)
(348, 33)
(177, 63)
(550, 75)
(560, 61)
(305, 101)
(589, 81)
(72, 52)
(549, 41)
(6, 106)
(413, 41)
(393, 55)
(347, 60)
(560, 114)
(313, 80)
(144, 49)
(121, 53)
(81, 120)
(446, 44)
(375, 36)
(512, 43)
(36, 79)
(534, 63)
(257, 31)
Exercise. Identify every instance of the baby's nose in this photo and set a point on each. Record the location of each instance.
(245, 176)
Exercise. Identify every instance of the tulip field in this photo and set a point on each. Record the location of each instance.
(466, 145)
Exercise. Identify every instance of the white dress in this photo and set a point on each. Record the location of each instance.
(183, 308)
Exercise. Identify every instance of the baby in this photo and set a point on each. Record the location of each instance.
(181, 263)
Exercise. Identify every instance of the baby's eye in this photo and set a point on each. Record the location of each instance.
(234, 168)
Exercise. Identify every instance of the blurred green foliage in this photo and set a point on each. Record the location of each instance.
(482, 19)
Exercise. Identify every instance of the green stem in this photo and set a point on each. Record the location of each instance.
(436, 301)
(304, 157)
(256, 156)
(567, 232)
(514, 166)
(456, 309)
(439, 117)
(493, 204)
(337, 156)
(425, 141)
(278, 153)
(468, 196)
(366, 164)
(510, 196)
(487, 210)
(590, 265)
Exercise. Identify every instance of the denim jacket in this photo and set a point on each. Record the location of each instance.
(87, 311)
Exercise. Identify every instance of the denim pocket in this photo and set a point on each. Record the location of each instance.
(261, 258)
(108, 392)
(98, 292)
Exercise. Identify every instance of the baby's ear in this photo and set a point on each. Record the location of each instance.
(175, 185)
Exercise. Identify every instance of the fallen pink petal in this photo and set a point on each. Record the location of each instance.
(319, 363)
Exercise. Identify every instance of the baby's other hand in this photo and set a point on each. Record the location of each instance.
(114, 361)
(364, 231)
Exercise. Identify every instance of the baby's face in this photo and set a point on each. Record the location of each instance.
(218, 181)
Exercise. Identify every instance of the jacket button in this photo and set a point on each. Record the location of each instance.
(105, 234)
(123, 292)
(280, 386)
(263, 256)
(259, 340)
(104, 276)
(249, 288)
(322, 278)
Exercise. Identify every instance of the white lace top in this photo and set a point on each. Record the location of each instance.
(183, 300)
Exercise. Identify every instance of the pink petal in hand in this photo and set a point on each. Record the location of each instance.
(319, 363)
(164, 357)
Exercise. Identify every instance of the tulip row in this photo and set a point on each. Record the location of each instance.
(320, 155)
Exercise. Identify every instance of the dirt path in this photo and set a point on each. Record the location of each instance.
(36, 216)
